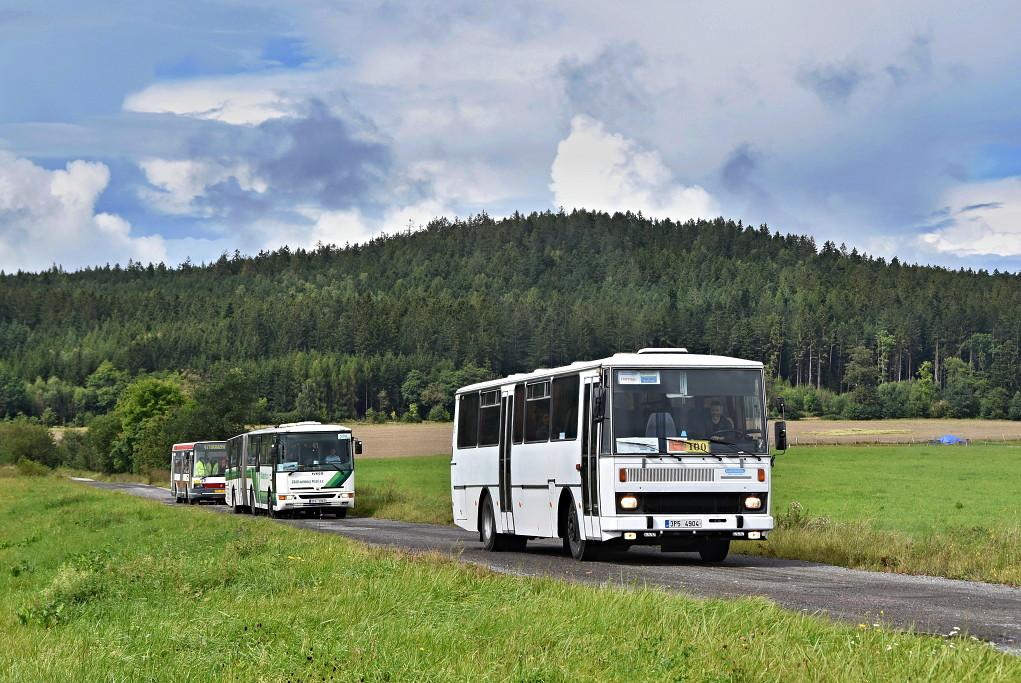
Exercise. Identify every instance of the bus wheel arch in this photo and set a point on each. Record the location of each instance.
(484, 499)
(563, 510)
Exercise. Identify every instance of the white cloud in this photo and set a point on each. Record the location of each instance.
(179, 182)
(984, 219)
(236, 100)
(604, 171)
(49, 217)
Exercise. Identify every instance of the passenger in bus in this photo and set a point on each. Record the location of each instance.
(718, 422)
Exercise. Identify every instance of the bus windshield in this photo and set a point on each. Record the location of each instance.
(210, 461)
(318, 451)
(688, 411)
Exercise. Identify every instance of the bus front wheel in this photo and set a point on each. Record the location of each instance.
(575, 542)
(715, 550)
(493, 541)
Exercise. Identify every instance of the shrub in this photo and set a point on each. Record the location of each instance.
(993, 406)
(23, 439)
(439, 414)
(411, 414)
(1014, 411)
(30, 468)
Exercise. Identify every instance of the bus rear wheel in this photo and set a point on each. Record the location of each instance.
(575, 542)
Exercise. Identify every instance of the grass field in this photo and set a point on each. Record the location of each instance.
(942, 511)
(102, 586)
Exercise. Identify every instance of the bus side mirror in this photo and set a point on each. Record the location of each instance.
(598, 404)
(358, 447)
(780, 435)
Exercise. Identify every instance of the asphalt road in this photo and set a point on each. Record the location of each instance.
(926, 604)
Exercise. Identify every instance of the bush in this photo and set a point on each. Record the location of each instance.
(99, 440)
(894, 398)
(993, 405)
(411, 414)
(1014, 410)
(23, 439)
(376, 416)
(30, 468)
(76, 452)
(960, 398)
(439, 414)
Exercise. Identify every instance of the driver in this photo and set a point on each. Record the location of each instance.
(718, 422)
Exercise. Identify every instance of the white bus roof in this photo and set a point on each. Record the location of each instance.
(300, 427)
(646, 358)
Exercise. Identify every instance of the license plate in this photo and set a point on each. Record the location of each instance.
(319, 500)
(217, 490)
(682, 524)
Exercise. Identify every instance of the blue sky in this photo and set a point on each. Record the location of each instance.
(159, 132)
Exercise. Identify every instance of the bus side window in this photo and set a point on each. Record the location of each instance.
(253, 444)
(468, 421)
(537, 411)
(565, 408)
(519, 413)
(489, 418)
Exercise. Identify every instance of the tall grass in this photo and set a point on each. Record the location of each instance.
(101, 586)
(975, 553)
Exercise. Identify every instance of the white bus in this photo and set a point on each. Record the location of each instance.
(300, 467)
(197, 471)
(659, 447)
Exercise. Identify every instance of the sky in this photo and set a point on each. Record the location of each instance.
(169, 131)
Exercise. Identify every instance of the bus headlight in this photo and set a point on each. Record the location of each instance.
(628, 502)
(753, 502)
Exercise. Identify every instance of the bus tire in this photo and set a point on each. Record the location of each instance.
(491, 540)
(575, 542)
(714, 550)
(234, 507)
(341, 513)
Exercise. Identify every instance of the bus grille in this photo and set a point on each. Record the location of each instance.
(644, 475)
(308, 496)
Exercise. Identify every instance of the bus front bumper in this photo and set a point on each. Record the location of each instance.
(648, 527)
(310, 500)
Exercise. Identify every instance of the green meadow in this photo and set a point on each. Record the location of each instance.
(103, 586)
(937, 510)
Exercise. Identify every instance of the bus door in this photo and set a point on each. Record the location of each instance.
(175, 460)
(247, 467)
(590, 460)
(504, 468)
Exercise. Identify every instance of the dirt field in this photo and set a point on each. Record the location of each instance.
(399, 440)
(899, 431)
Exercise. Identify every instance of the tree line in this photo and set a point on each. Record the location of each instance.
(368, 330)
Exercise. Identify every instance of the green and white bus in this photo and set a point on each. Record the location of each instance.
(299, 467)
(196, 471)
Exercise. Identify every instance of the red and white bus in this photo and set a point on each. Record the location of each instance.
(197, 471)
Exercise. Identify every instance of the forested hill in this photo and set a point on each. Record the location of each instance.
(336, 330)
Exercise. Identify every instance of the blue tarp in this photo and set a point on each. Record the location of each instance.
(950, 439)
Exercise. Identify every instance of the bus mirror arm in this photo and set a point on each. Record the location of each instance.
(598, 403)
(780, 426)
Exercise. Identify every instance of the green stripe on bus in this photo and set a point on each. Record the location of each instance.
(338, 479)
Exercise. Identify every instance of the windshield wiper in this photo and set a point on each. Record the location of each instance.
(654, 449)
